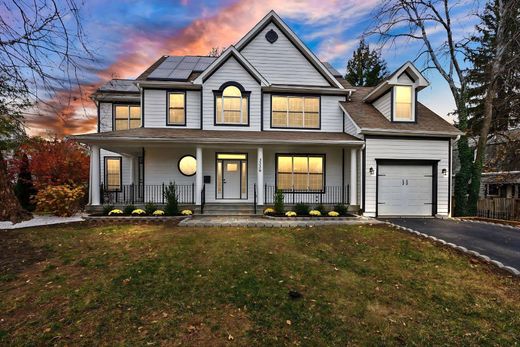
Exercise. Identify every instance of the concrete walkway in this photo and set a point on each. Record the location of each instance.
(498, 242)
(259, 221)
(38, 221)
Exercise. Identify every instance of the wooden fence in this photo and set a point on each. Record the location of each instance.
(499, 208)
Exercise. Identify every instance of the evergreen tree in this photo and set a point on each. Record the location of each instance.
(366, 68)
(24, 188)
(480, 52)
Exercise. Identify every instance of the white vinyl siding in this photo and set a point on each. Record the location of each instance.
(126, 164)
(230, 71)
(105, 116)
(281, 62)
(155, 108)
(377, 148)
(384, 105)
(331, 115)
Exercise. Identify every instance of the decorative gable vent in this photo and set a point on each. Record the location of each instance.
(271, 36)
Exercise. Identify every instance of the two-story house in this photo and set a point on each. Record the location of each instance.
(268, 115)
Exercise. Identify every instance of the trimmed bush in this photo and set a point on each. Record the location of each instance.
(341, 209)
(279, 206)
(187, 212)
(128, 210)
(150, 208)
(302, 209)
(115, 212)
(107, 209)
(63, 200)
(158, 213)
(333, 214)
(320, 208)
(290, 214)
(315, 213)
(172, 204)
(269, 211)
(138, 212)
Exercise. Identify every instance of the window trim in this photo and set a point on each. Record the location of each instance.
(245, 94)
(105, 182)
(413, 104)
(175, 91)
(179, 165)
(307, 155)
(246, 160)
(295, 95)
(128, 104)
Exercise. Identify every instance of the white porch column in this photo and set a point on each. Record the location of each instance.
(353, 176)
(94, 176)
(198, 176)
(260, 176)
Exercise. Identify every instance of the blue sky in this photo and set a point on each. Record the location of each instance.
(128, 36)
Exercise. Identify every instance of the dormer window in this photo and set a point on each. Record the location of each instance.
(403, 104)
(232, 105)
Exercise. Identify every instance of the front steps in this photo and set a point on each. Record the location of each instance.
(231, 209)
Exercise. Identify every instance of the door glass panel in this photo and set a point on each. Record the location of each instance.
(232, 167)
(244, 179)
(219, 178)
(231, 156)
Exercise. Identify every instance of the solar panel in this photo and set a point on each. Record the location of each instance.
(180, 74)
(191, 59)
(180, 68)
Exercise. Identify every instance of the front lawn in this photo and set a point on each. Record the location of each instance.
(163, 285)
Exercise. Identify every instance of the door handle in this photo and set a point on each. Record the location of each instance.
(407, 181)
(223, 181)
(402, 182)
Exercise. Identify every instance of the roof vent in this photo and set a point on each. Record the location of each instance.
(271, 36)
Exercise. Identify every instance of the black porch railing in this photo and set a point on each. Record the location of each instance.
(329, 195)
(202, 198)
(138, 193)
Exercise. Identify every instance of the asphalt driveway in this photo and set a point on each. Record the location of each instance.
(497, 242)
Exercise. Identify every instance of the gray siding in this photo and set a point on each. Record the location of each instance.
(231, 70)
(281, 62)
(350, 127)
(155, 108)
(105, 116)
(383, 105)
(125, 163)
(331, 114)
(406, 149)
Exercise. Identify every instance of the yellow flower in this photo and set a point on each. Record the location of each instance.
(269, 211)
(158, 213)
(290, 214)
(333, 214)
(186, 212)
(138, 212)
(115, 212)
(315, 213)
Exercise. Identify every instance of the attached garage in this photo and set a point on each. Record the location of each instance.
(406, 188)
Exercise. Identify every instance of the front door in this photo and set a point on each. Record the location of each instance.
(231, 176)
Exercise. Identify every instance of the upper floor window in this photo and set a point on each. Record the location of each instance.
(176, 108)
(232, 106)
(295, 112)
(127, 117)
(403, 103)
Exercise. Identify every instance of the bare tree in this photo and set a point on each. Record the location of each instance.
(42, 50)
(415, 20)
(216, 51)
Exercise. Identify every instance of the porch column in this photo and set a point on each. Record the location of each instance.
(260, 176)
(353, 176)
(94, 176)
(198, 176)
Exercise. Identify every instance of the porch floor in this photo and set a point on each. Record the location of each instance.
(260, 221)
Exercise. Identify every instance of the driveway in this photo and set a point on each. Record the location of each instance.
(497, 242)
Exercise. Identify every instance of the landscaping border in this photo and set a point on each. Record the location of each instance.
(515, 227)
(485, 258)
(134, 219)
(311, 218)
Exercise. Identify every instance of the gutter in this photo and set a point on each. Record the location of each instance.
(382, 131)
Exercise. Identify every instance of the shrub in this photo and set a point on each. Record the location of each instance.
(128, 209)
(158, 213)
(341, 209)
(172, 204)
(278, 202)
(315, 213)
(63, 200)
(187, 212)
(115, 212)
(333, 214)
(107, 209)
(138, 212)
(320, 208)
(301, 209)
(269, 211)
(290, 214)
(150, 208)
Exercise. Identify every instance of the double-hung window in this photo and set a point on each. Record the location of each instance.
(403, 104)
(127, 117)
(232, 106)
(295, 112)
(300, 172)
(113, 173)
(176, 108)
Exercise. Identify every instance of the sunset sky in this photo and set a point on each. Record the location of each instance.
(128, 36)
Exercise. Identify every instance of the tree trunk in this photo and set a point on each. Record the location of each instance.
(462, 178)
(10, 209)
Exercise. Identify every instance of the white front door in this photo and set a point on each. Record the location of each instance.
(405, 190)
(231, 176)
(231, 179)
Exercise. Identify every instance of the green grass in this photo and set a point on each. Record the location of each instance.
(145, 285)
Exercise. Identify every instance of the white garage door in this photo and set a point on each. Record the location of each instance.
(405, 190)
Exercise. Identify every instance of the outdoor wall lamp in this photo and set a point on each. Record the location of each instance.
(445, 172)
(371, 171)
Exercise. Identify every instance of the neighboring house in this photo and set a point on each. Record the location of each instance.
(268, 115)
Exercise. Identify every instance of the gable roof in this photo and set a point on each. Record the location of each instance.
(228, 53)
(272, 17)
(371, 121)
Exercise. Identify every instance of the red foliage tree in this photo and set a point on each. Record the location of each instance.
(54, 162)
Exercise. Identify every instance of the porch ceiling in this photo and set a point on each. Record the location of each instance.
(192, 136)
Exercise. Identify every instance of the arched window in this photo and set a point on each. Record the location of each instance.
(232, 105)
